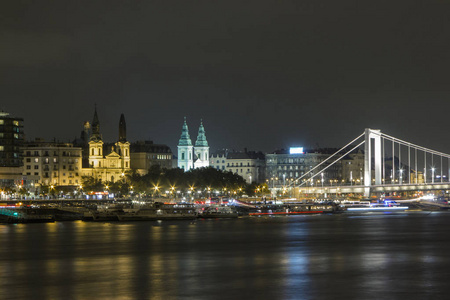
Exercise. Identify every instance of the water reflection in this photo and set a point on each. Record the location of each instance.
(326, 257)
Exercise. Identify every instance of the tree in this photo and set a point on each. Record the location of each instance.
(92, 184)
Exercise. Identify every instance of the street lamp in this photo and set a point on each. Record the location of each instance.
(432, 175)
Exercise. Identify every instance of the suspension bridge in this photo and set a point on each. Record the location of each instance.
(390, 165)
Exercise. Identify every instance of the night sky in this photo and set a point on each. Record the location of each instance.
(262, 74)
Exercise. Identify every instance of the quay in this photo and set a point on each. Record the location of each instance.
(33, 211)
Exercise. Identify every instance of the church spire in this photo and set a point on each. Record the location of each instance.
(95, 127)
(201, 137)
(185, 139)
(122, 129)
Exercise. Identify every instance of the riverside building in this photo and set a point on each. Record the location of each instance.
(284, 166)
(248, 164)
(145, 154)
(51, 164)
(11, 141)
(190, 156)
(107, 161)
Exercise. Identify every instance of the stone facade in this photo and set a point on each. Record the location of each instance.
(47, 163)
(248, 164)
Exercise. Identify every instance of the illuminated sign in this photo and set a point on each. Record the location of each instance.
(296, 150)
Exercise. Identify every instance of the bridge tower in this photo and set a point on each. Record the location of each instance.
(375, 147)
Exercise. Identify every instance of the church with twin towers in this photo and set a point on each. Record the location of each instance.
(193, 156)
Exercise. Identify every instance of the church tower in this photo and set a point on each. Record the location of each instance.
(123, 146)
(185, 149)
(201, 148)
(95, 143)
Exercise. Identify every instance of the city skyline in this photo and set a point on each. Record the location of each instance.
(262, 75)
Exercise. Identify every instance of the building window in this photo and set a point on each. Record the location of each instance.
(126, 164)
(36, 173)
(36, 160)
(182, 155)
(36, 167)
(28, 167)
(28, 159)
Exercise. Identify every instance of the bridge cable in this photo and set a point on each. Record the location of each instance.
(334, 162)
(328, 159)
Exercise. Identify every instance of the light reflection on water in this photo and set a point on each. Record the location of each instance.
(296, 257)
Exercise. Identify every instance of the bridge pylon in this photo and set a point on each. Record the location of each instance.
(369, 148)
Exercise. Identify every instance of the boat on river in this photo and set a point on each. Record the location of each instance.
(218, 212)
(292, 209)
(150, 212)
(375, 208)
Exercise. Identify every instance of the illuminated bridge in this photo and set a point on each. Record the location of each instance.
(390, 165)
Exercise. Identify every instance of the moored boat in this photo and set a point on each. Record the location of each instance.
(156, 211)
(291, 209)
(218, 212)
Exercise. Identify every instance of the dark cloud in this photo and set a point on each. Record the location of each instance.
(262, 74)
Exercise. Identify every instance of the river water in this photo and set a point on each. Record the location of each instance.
(367, 256)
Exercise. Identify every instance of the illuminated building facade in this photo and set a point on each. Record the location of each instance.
(11, 141)
(145, 154)
(284, 166)
(47, 163)
(201, 149)
(107, 162)
(190, 156)
(248, 164)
